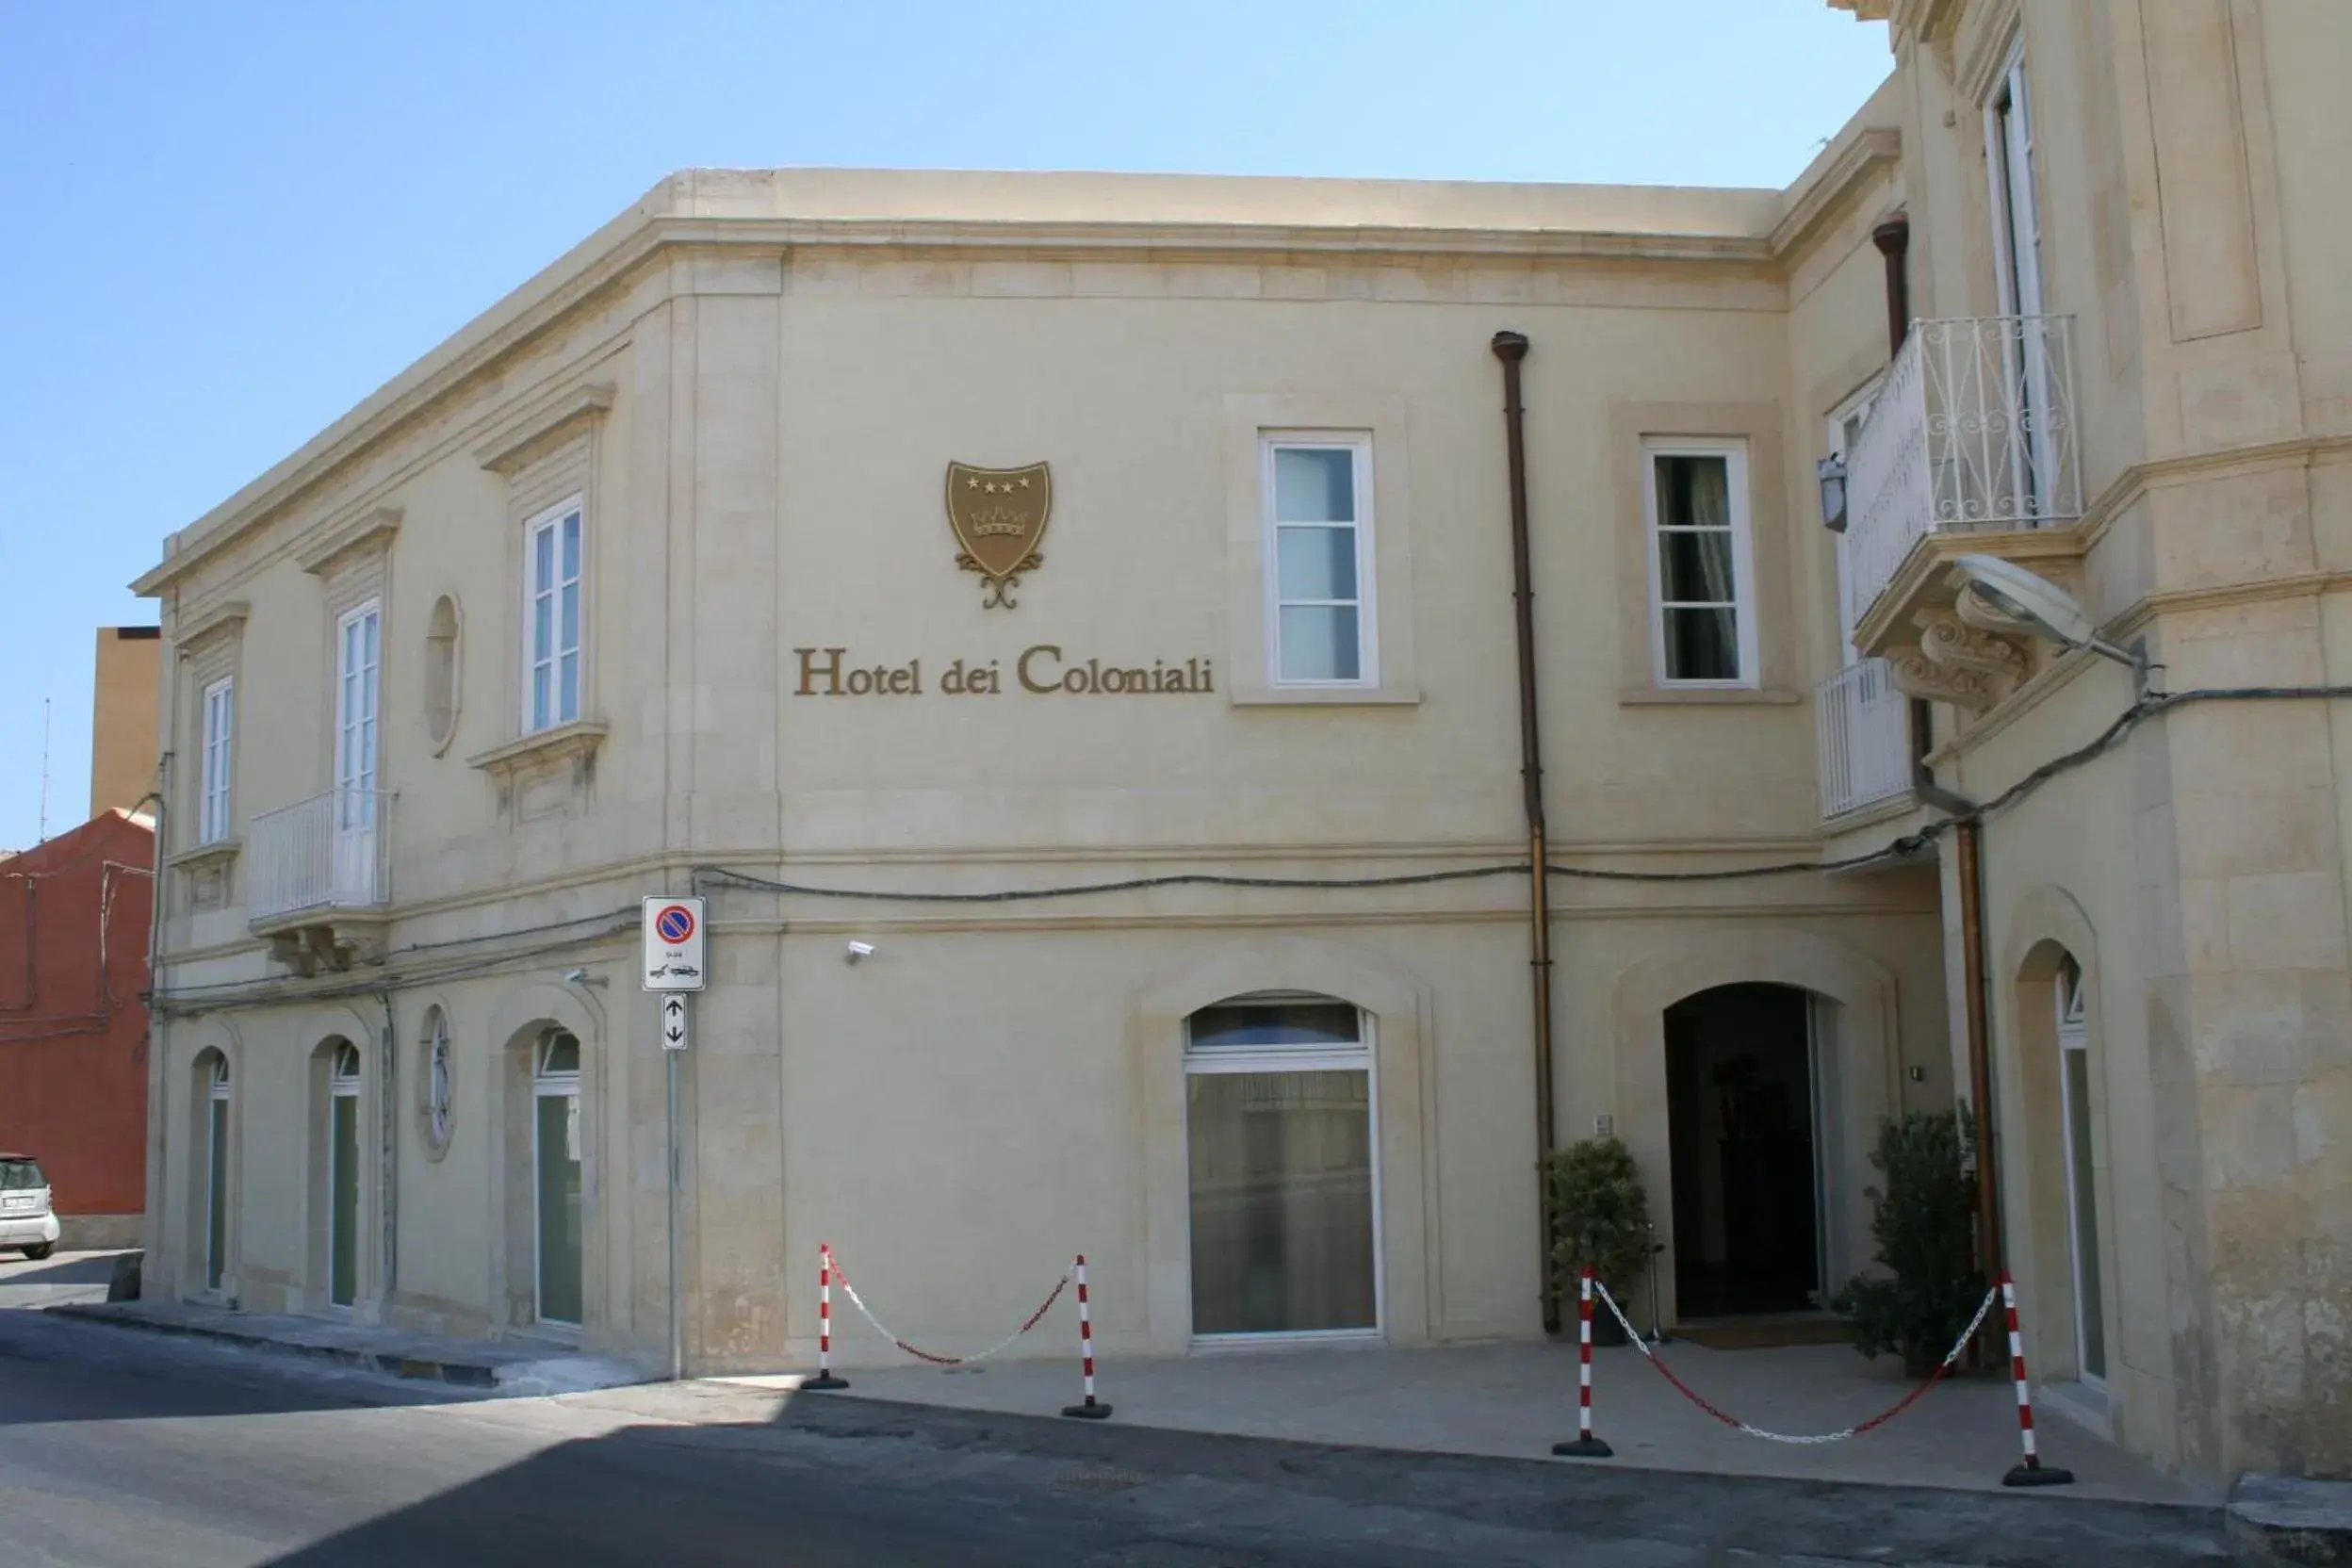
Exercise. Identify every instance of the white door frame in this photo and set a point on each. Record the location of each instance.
(2074, 1039)
(360, 733)
(217, 1175)
(342, 1086)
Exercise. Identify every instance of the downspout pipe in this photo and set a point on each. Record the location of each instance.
(1512, 349)
(1967, 823)
(1893, 239)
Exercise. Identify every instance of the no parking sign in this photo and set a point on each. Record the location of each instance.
(674, 944)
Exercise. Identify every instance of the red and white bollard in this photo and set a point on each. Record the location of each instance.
(1586, 1446)
(2032, 1471)
(825, 1379)
(1090, 1409)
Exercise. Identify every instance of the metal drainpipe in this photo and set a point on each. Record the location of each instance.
(1512, 348)
(388, 1163)
(159, 1025)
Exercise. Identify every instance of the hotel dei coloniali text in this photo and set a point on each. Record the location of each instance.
(1108, 651)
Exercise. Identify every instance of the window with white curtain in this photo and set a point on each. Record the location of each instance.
(1318, 490)
(1284, 1177)
(212, 814)
(553, 633)
(1702, 571)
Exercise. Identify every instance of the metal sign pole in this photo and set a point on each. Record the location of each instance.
(678, 1321)
(675, 961)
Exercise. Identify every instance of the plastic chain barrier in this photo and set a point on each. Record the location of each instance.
(1808, 1439)
(833, 1263)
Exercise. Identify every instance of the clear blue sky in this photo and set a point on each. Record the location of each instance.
(230, 223)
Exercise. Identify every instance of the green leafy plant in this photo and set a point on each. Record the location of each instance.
(1600, 1216)
(1922, 1220)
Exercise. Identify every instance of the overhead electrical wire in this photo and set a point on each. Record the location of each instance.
(1904, 849)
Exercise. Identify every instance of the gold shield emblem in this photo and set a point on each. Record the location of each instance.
(999, 516)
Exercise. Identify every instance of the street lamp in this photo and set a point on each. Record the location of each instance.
(1831, 471)
(2001, 596)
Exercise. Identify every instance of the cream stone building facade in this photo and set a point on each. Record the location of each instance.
(1191, 854)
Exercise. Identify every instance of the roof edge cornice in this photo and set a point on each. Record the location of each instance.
(655, 224)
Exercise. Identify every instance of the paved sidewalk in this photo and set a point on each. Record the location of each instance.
(1514, 1400)
(55, 1280)
(510, 1366)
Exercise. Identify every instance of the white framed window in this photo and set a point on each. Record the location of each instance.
(1283, 1168)
(212, 813)
(1845, 429)
(1702, 562)
(359, 674)
(1320, 612)
(2016, 220)
(552, 634)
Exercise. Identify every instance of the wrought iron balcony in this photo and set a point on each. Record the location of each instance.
(1973, 431)
(319, 862)
(1864, 730)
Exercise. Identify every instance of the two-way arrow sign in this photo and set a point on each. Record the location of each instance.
(673, 1020)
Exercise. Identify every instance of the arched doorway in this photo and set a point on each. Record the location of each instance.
(2082, 1246)
(555, 1165)
(342, 1174)
(1748, 1089)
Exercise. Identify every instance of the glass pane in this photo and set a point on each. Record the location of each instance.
(370, 635)
(558, 1154)
(1281, 1201)
(571, 547)
(1702, 645)
(568, 689)
(539, 678)
(1318, 643)
(343, 1204)
(217, 1196)
(1695, 569)
(542, 626)
(1251, 1024)
(570, 632)
(561, 1054)
(1315, 562)
(1693, 492)
(2089, 1307)
(542, 561)
(1314, 484)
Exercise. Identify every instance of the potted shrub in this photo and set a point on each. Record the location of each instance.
(1922, 1219)
(1599, 1216)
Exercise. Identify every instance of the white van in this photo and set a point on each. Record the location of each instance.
(26, 1221)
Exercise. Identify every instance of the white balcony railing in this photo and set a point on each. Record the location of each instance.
(1974, 428)
(329, 852)
(1864, 729)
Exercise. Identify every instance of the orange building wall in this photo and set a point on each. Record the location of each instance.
(123, 737)
(74, 1034)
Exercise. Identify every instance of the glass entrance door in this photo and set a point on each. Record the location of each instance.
(359, 662)
(217, 1176)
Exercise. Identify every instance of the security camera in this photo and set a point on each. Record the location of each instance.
(861, 950)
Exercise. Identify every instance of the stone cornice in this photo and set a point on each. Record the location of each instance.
(369, 530)
(615, 252)
(519, 440)
(224, 617)
(2126, 489)
(1858, 161)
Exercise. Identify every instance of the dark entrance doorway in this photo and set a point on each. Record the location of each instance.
(1740, 1090)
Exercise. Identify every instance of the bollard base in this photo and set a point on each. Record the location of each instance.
(823, 1384)
(2037, 1475)
(1583, 1447)
(1087, 1412)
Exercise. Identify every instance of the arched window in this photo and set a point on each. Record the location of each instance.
(441, 673)
(216, 1174)
(556, 1176)
(1279, 1117)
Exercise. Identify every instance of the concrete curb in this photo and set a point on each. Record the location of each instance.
(458, 1374)
(2278, 1519)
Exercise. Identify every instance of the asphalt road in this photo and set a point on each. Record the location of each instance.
(121, 1448)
